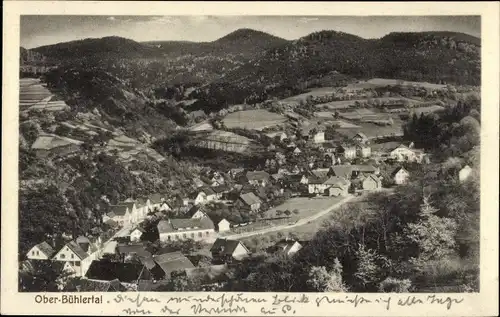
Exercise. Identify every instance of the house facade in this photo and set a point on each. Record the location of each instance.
(249, 201)
(360, 138)
(288, 247)
(348, 152)
(75, 257)
(317, 187)
(319, 137)
(136, 234)
(228, 250)
(41, 251)
(372, 182)
(338, 190)
(186, 229)
(224, 225)
(258, 178)
(403, 154)
(400, 176)
(363, 151)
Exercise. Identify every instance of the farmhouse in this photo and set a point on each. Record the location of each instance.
(321, 185)
(403, 153)
(296, 151)
(75, 257)
(158, 201)
(41, 251)
(313, 133)
(197, 212)
(173, 263)
(136, 233)
(224, 250)
(220, 191)
(277, 135)
(224, 225)
(91, 285)
(372, 182)
(51, 145)
(200, 229)
(204, 195)
(400, 175)
(258, 178)
(360, 138)
(249, 201)
(120, 214)
(347, 151)
(363, 150)
(339, 186)
(287, 246)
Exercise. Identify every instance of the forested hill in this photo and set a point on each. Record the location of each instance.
(434, 57)
(252, 66)
(246, 43)
(106, 47)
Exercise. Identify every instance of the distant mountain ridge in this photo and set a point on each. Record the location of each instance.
(253, 65)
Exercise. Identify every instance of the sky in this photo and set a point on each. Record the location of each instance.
(50, 29)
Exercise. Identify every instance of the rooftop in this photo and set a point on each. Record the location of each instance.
(250, 198)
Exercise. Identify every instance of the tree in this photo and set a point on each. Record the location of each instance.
(181, 283)
(320, 280)
(368, 270)
(62, 130)
(288, 212)
(43, 276)
(394, 285)
(434, 236)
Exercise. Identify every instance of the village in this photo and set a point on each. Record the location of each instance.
(151, 240)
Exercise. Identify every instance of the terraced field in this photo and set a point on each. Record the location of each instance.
(253, 119)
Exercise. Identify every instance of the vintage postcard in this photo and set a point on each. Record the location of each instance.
(250, 159)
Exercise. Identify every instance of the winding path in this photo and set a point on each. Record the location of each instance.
(300, 222)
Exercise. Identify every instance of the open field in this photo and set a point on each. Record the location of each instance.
(430, 109)
(335, 217)
(315, 92)
(346, 104)
(380, 82)
(305, 206)
(372, 130)
(341, 104)
(282, 226)
(253, 119)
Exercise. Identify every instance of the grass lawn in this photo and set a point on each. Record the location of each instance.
(337, 217)
(374, 130)
(253, 119)
(305, 207)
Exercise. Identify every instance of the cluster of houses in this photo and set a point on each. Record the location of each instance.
(142, 267)
(74, 257)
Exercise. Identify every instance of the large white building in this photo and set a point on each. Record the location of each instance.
(200, 229)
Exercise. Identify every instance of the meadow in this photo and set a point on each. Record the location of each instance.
(253, 119)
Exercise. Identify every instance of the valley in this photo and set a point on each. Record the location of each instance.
(145, 154)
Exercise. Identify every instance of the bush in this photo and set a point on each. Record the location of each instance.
(394, 285)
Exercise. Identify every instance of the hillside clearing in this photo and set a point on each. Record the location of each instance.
(253, 119)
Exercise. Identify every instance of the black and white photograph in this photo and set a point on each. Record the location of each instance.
(249, 153)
